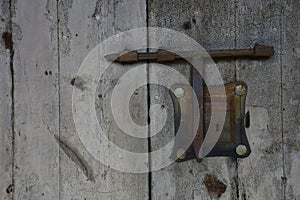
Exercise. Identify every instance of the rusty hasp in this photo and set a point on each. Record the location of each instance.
(233, 141)
(258, 51)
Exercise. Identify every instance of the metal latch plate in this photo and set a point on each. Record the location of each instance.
(233, 141)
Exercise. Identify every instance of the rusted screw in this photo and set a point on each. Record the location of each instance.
(241, 150)
(179, 92)
(181, 154)
(240, 90)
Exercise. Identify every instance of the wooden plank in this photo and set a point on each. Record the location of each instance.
(82, 27)
(6, 151)
(260, 175)
(290, 42)
(212, 25)
(271, 171)
(36, 100)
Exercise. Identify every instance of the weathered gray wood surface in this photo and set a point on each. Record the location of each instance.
(82, 27)
(6, 150)
(212, 25)
(51, 39)
(290, 95)
(261, 174)
(270, 173)
(36, 101)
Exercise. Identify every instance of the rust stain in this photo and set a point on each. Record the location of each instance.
(74, 155)
(214, 186)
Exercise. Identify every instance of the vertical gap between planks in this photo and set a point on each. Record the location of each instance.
(281, 103)
(235, 36)
(11, 65)
(235, 6)
(148, 106)
(58, 88)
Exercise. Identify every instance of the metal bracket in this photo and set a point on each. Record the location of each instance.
(233, 141)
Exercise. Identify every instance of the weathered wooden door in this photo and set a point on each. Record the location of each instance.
(43, 45)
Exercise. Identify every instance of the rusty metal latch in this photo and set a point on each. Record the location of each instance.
(233, 141)
(258, 51)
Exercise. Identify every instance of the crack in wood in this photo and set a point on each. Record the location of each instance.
(74, 155)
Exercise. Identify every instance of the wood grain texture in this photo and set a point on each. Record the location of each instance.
(6, 150)
(82, 27)
(290, 42)
(43, 43)
(36, 102)
(261, 174)
(212, 25)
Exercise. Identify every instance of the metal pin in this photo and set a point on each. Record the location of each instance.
(240, 90)
(241, 150)
(179, 92)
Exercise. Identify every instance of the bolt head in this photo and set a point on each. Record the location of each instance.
(241, 150)
(179, 92)
(240, 90)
